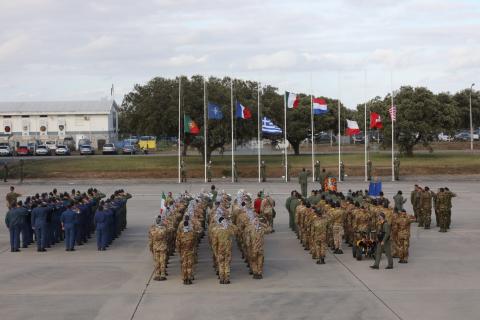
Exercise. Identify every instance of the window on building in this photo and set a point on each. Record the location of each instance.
(43, 116)
(7, 116)
(25, 116)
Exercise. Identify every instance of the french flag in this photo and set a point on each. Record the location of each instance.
(243, 112)
(319, 106)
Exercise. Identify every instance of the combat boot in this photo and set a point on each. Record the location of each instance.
(339, 251)
(156, 278)
(322, 260)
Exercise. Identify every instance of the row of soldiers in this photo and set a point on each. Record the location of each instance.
(185, 220)
(49, 218)
(423, 200)
(326, 218)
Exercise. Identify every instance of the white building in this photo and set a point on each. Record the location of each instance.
(23, 122)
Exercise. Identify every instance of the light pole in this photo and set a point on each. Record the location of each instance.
(471, 122)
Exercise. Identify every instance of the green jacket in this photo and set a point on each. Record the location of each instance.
(303, 177)
(399, 201)
(293, 205)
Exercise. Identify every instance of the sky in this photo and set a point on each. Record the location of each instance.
(352, 49)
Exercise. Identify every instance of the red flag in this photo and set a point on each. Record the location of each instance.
(375, 121)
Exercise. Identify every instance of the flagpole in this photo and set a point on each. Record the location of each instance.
(179, 124)
(312, 130)
(339, 129)
(285, 134)
(233, 128)
(393, 125)
(259, 155)
(205, 124)
(366, 128)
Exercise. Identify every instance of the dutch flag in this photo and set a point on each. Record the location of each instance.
(319, 106)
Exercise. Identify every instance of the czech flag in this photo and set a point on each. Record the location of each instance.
(352, 128)
(243, 112)
(319, 106)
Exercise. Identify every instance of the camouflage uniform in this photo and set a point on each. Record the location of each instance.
(338, 217)
(185, 243)
(426, 209)
(319, 235)
(158, 237)
(402, 223)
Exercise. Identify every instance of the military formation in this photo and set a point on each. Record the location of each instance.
(187, 219)
(423, 200)
(369, 225)
(52, 217)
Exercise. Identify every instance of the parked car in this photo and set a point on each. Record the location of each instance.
(52, 146)
(62, 150)
(465, 136)
(129, 149)
(109, 148)
(444, 137)
(5, 151)
(86, 149)
(42, 150)
(22, 150)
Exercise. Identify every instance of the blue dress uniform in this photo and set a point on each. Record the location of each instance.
(39, 223)
(14, 221)
(69, 220)
(110, 225)
(26, 230)
(101, 228)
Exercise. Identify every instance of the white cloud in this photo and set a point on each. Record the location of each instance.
(276, 60)
(12, 47)
(184, 60)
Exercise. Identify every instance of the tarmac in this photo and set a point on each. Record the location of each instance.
(441, 280)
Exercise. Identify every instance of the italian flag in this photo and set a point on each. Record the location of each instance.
(292, 100)
(189, 126)
(162, 203)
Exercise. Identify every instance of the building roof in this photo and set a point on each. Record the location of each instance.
(103, 106)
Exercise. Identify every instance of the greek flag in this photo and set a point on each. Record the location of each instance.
(269, 127)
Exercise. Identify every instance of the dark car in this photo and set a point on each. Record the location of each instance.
(129, 149)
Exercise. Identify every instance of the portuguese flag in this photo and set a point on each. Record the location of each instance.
(189, 126)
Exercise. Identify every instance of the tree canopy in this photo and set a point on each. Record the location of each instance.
(152, 109)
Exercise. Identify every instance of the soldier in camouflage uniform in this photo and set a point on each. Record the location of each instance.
(402, 223)
(449, 196)
(225, 233)
(338, 220)
(426, 207)
(186, 243)
(256, 252)
(319, 235)
(158, 244)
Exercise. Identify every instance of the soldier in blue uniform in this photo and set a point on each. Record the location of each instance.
(39, 222)
(14, 222)
(101, 227)
(69, 220)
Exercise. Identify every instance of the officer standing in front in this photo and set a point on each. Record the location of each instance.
(384, 243)
(303, 181)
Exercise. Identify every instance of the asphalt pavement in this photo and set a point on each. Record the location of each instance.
(441, 280)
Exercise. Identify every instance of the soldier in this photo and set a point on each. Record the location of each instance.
(361, 225)
(449, 196)
(342, 171)
(293, 207)
(256, 254)
(69, 220)
(303, 181)
(289, 171)
(158, 238)
(426, 207)
(39, 222)
(263, 172)
(21, 170)
(235, 173)
(338, 219)
(403, 221)
(441, 209)
(287, 206)
(369, 170)
(399, 201)
(5, 171)
(317, 170)
(414, 200)
(225, 233)
(319, 235)
(396, 169)
(384, 243)
(185, 243)
(183, 171)
(14, 221)
(267, 210)
(209, 171)
(12, 196)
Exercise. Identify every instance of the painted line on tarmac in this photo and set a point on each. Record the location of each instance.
(368, 288)
(141, 297)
